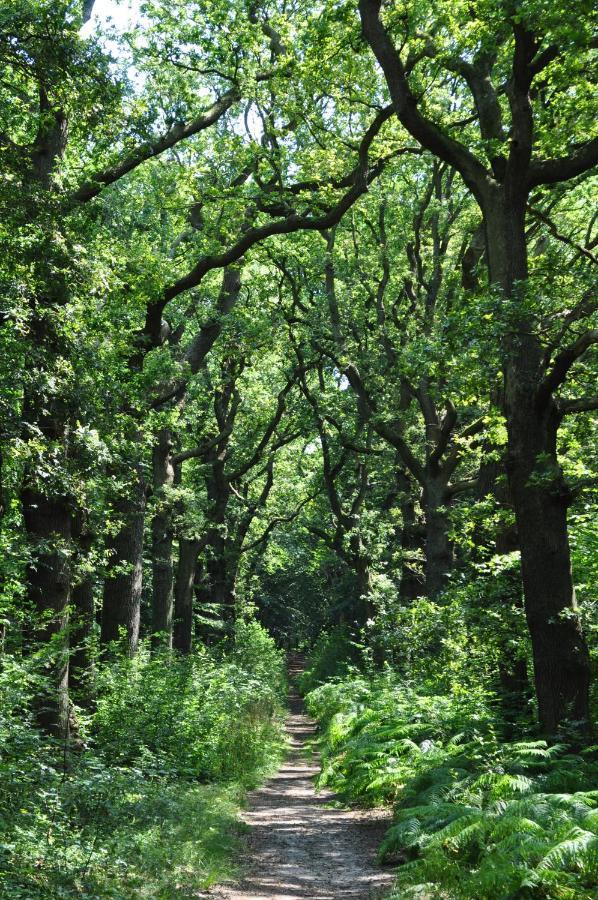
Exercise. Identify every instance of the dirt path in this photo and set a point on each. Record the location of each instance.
(301, 848)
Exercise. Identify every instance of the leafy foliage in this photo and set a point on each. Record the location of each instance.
(474, 816)
(127, 811)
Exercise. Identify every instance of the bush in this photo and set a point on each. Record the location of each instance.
(125, 813)
(204, 716)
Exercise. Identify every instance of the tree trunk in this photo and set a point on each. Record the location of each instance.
(183, 595)
(217, 567)
(122, 588)
(81, 667)
(411, 585)
(82, 602)
(162, 540)
(48, 526)
(361, 566)
(561, 659)
(540, 497)
(539, 494)
(438, 547)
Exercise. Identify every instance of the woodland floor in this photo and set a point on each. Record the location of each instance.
(299, 846)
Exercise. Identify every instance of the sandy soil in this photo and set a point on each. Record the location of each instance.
(300, 847)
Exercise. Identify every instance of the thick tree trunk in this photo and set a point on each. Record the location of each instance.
(122, 588)
(183, 595)
(438, 547)
(162, 540)
(216, 566)
(412, 584)
(48, 526)
(221, 588)
(540, 497)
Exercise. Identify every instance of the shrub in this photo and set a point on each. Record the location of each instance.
(206, 716)
(331, 655)
(125, 814)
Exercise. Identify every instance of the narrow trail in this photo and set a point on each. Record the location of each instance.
(299, 847)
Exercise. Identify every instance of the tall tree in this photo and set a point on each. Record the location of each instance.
(510, 51)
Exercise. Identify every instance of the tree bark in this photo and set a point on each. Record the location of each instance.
(538, 491)
(162, 540)
(122, 588)
(48, 526)
(183, 595)
(360, 564)
(411, 585)
(438, 547)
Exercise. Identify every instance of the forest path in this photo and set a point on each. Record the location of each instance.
(299, 847)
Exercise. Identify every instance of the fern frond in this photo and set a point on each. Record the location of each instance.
(573, 850)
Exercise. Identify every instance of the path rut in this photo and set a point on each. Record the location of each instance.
(299, 846)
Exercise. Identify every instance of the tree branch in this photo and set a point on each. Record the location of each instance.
(278, 520)
(552, 171)
(154, 147)
(446, 429)
(386, 431)
(563, 363)
(422, 129)
(581, 404)
(460, 487)
(270, 429)
(363, 175)
(537, 214)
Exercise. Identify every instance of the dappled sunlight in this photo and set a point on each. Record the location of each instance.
(300, 845)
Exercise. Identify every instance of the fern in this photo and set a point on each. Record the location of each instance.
(474, 818)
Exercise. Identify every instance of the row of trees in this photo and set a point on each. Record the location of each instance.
(282, 276)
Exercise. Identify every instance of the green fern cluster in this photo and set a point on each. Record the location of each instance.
(378, 734)
(475, 818)
(513, 820)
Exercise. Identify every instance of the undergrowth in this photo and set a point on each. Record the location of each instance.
(144, 806)
(475, 817)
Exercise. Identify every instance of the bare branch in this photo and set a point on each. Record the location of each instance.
(390, 434)
(269, 431)
(581, 404)
(552, 171)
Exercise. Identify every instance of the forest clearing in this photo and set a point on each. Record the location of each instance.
(298, 555)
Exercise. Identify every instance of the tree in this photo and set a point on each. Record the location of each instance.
(509, 51)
